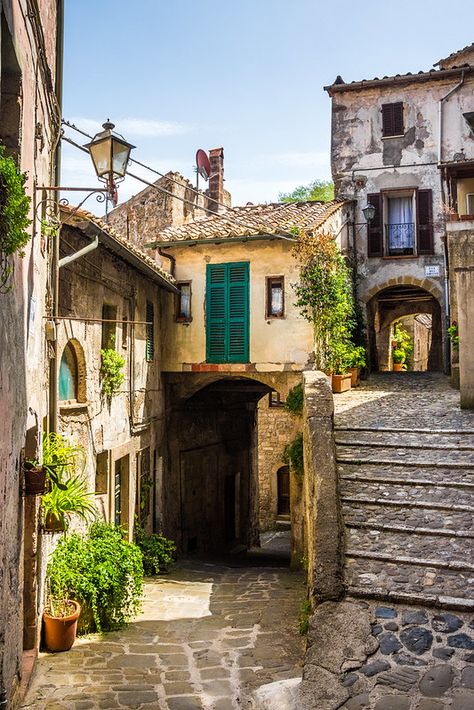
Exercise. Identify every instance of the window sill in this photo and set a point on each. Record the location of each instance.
(399, 135)
(70, 407)
(400, 256)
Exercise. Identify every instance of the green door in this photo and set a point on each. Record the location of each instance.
(227, 313)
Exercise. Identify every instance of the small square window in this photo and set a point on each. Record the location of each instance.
(274, 399)
(275, 297)
(183, 302)
(392, 120)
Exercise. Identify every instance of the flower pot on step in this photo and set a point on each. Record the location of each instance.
(60, 631)
(355, 375)
(341, 383)
(398, 366)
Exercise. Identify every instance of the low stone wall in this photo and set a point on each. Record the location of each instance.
(323, 524)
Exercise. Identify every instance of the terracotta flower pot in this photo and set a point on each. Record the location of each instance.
(52, 524)
(355, 372)
(341, 383)
(35, 480)
(397, 366)
(60, 632)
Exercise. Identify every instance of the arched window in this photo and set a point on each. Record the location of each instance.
(68, 374)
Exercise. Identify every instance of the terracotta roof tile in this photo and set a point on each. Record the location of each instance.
(454, 54)
(254, 220)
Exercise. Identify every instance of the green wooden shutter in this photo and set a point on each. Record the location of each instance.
(150, 332)
(227, 313)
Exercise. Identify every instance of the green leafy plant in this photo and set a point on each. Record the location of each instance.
(111, 371)
(60, 458)
(338, 356)
(305, 615)
(14, 220)
(294, 400)
(102, 571)
(293, 454)
(318, 190)
(158, 552)
(453, 333)
(398, 355)
(71, 498)
(357, 356)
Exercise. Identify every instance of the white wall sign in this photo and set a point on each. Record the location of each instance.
(432, 270)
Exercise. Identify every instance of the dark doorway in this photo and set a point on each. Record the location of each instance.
(420, 313)
(229, 508)
(283, 483)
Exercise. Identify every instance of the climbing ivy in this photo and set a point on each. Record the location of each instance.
(14, 220)
(294, 400)
(293, 454)
(111, 371)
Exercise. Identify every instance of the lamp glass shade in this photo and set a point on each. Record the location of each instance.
(109, 153)
(369, 212)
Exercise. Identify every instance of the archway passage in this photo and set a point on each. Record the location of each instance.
(210, 477)
(419, 312)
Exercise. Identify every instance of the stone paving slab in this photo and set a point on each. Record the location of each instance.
(208, 636)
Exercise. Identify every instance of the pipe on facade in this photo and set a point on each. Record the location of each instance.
(171, 258)
(447, 305)
(82, 252)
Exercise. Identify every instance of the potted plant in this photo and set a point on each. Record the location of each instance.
(338, 361)
(58, 458)
(357, 360)
(72, 498)
(35, 478)
(398, 357)
(60, 614)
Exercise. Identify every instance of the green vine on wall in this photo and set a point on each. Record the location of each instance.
(294, 400)
(14, 220)
(293, 454)
(111, 371)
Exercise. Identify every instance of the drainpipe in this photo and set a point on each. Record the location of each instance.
(53, 363)
(171, 258)
(447, 349)
(82, 252)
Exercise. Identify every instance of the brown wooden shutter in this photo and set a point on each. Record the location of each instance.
(375, 227)
(392, 119)
(424, 221)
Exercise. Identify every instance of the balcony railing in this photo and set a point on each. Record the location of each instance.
(400, 238)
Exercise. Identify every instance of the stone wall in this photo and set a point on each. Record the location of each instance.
(461, 257)
(323, 524)
(29, 121)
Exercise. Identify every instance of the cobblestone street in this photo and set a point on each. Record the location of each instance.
(208, 636)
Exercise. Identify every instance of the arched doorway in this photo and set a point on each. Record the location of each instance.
(210, 475)
(419, 312)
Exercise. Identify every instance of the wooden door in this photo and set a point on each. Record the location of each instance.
(283, 482)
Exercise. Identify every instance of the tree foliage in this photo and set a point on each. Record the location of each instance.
(318, 190)
(14, 219)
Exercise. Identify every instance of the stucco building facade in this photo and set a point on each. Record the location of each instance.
(402, 143)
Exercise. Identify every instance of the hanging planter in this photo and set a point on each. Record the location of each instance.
(35, 479)
(14, 220)
(53, 524)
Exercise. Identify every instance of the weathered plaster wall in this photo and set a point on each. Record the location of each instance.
(461, 257)
(134, 419)
(275, 343)
(23, 362)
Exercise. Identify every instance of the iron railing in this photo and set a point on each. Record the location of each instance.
(400, 238)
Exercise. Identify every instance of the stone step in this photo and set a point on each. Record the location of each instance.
(407, 481)
(435, 563)
(403, 430)
(363, 455)
(404, 443)
(437, 550)
(417, 530)
(436, 516)
(439, 496)
(386, 575)
(413, 599)
(372, 471)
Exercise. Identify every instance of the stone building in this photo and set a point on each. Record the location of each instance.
(30, 80)
(235, 342)
(113, 298)
(403, 143)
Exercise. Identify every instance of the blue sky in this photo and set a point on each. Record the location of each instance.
(248, 75)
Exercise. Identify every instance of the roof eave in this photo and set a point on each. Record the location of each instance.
(437, 75)
(218, 240)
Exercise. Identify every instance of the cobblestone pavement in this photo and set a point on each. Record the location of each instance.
(208, 636)
(364, 656)
(405, 454)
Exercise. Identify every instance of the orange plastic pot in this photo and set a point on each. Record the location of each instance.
(355, 372)
(60, 632)
(397, 366)
(341, 383)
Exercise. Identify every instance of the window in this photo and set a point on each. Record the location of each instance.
(402, 224)
(109, 326)
(274, 399)
(227, 312)
(68, 374)
(392, 120)
(183, 302)
(470, 203)
(102, 472)
(150, 332)
(275, 297)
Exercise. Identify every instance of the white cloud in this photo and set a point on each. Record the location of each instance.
(295, 159)
(134, 127)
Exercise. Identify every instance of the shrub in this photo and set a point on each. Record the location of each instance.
(357, 356)
(398, 355)
(453, 333)
(293, 454)
(111, 371)
(294, 401)
(158, 552)
(14, 220)
(103, 572)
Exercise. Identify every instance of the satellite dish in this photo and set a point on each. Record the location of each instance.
(202, 163)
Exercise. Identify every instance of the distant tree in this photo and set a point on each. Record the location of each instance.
(318, 190)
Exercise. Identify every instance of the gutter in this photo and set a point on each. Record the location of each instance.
(434, 75)
(218, 240)
(82, 252)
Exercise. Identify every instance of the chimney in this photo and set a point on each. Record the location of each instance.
(215, 191)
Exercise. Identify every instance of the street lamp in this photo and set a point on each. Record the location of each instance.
(369, 212)
(110, 154)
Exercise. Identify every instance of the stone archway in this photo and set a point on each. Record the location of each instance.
(403, 301)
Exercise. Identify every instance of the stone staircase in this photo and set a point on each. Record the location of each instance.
(407, 500)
